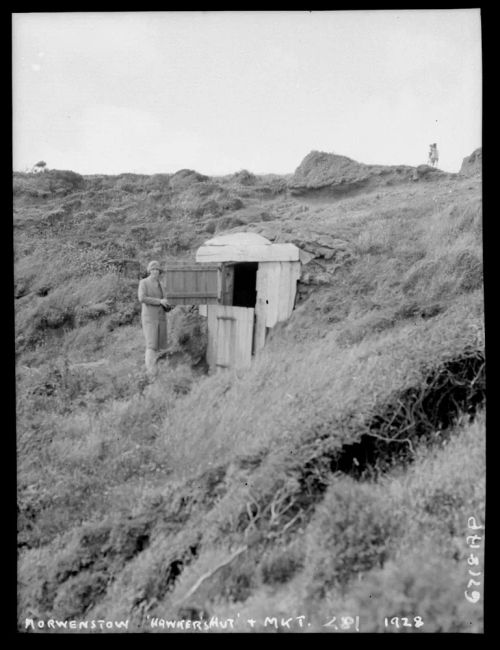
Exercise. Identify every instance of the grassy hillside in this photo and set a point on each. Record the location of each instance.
(335, 477)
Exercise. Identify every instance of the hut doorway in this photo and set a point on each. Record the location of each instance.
(245, 284)
(256, 286)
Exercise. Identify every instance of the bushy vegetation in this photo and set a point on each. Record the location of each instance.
(350, 534)
(390, 548)
(333, 477)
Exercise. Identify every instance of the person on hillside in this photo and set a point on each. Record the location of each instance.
(433, 154)
(154, 316)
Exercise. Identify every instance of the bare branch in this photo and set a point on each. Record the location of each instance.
(210, 573)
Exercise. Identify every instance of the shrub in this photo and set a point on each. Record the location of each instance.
(125, 315)
(178, 239)
(140, 234)
(58, 182)
(280, 565)
(87, 339)
(102, 222)
(231, 203)
(237, 582)
(85, 215)
(211, 226)
(244, 177)
(57, 387)
(445, 485)
(250, 214)
(419, 584)
(92, 312)
(74, 261)
(78, 301)
(158, 182)
(115, 216)
(78, 594)
(469, 268)
(351, 532)
(188, 334)
(230, 222)
(67, 176)
(185, 177)
(55, 217)
(51, 315)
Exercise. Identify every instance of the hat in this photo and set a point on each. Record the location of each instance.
(154, 264)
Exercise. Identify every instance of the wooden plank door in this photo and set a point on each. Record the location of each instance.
(276, 290)
(230, 336)
(196, 284)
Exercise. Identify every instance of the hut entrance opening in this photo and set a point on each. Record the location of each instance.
(256, 283)
(245, 284)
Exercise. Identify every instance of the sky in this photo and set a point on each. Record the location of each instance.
(155, 92)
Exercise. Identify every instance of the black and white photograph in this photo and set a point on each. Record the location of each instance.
(250, 387)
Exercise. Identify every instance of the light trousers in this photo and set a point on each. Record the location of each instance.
(152, 361)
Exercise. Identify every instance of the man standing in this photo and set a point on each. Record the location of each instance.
(153, 316)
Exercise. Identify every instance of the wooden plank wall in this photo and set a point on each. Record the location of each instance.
(244, 336)
(290, 273)
(193, 286)
(261, 307)
(259, 336)
(230, 332)
(226, 341)
(226, 279)
(276, 289)
(212, 335)
(273, 272)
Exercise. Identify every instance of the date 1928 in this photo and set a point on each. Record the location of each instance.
(403, 621)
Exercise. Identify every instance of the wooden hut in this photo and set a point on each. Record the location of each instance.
(244, 285)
